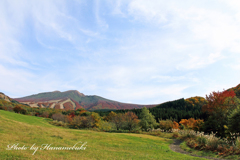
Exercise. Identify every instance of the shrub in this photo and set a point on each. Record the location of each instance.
(45, 114)
(175, 135)
(82, 122)
(58, 123)
(76, 122)
(166, 125)
(1, 106)
(10, 109)
(187, 134)
(58, 117)
(201, 139)
(198, 125)
(23, 111)
(238, 143)
(17, 109)
(191, 142)
(106, 126)
(212, 142)
(191, 123)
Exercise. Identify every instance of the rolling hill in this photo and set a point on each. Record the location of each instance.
(27, 131)
(74, 100)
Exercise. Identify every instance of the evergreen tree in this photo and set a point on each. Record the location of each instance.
(233, 121)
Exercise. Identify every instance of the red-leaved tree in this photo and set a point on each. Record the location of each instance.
(219, 106)
(219, 101)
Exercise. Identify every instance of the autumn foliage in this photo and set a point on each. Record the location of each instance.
(131, 120)
(196, 101)
(167, 125)
(19, 109)
(191, 123)
(217, 101)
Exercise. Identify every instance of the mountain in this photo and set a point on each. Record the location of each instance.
(74, 100)
(6, 98)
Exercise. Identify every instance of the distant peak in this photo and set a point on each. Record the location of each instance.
(56, 91)
(77, 92)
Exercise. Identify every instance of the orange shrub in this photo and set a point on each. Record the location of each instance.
(175, 125)
(191, 123)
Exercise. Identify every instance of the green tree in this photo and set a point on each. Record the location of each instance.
(233, 121)
(147, 119)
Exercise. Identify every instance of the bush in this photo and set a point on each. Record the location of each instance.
(187, 134)
(10, 109)
(212, 142)
(1, 106)
(106, 126)
(76, 122)
(58, 117)
(191, 142)
(202, 140)
(175, 135)
(82, 122)
(17, 109)
(23, 111)
(238, 143)
(45, 114)
(58, 123)
(166, 125)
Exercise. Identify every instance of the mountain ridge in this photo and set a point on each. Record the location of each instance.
(92, 102)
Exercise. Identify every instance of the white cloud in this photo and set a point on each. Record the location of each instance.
(217, 27)
(135, 51)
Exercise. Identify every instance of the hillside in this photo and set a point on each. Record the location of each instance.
(236, 90)
(30, 130)
(177, 109)
(6, 98)
(76, 100)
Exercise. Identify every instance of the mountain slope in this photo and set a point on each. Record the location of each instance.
(6, 98)
(88, 102)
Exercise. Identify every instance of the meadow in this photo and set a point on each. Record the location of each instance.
(28, 130)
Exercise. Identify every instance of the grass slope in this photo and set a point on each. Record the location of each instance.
(28, 130)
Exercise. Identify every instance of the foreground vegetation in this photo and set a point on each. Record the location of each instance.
(28, 130)
(218, 131)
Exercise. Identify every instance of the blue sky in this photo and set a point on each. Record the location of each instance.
(133, 51)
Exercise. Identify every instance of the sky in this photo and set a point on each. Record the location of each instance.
(132, 51)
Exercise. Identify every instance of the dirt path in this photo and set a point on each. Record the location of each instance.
(176, 148)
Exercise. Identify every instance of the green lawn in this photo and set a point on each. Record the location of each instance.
(29, 130)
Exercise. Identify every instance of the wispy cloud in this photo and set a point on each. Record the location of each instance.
(127, 50)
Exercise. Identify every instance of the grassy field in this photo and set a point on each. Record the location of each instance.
(28, 130)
